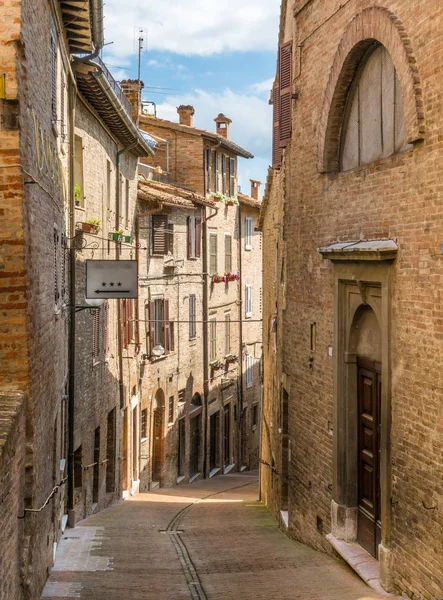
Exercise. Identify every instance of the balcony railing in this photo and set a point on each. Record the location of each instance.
(115, 86)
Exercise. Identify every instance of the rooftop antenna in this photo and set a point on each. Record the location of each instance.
(141, 46)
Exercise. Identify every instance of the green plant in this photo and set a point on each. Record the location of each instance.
(77, 192)
(96, 222)
(120, 230)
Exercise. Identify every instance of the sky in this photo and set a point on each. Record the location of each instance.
(220, 57)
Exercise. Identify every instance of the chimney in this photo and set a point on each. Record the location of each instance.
(133, 92)
(255, 189)
(186, 113)
(222, 123)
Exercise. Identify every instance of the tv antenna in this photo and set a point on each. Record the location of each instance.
(140, 45)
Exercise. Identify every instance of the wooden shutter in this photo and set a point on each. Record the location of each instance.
(106, 329)
(192, 315)
(151, 326)
(198, 236)
(212, 254)
(189, 225)
(228, 253)
(216, 171)
(167, 327)
(232, 177)
(53, 75)
(276, 150)
(223, 165)
(96, 334)
(170, 238)
(285, 76)
(208, 171)
(130, 315)
(159, 234)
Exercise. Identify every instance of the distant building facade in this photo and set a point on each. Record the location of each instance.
(351, 455)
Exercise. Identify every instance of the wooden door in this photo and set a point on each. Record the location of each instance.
(157, 446)
(195, 446)
(181, 446)
(214, 441)
(227, 435)
(369, 417)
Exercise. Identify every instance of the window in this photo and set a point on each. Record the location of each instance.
(96, 334)
(194, 236)
(79, 191)
(181, 396)
(62, 107)
(249, 375)
(232, 165)
(171, 410)
(56, 269)
(254, 415)
(127, 316)
(212, 253)
(108, 185)
(248, 233)
(192, 317)
(374, 125)
(78, 467)
(110, 452)
(106, 336)
(228, 253)
(144, 424)
(122, 198)
(212, 339)
(53, 73)
(215, 171)
(227, 333)
(248, 301)
(282, 103)
(162, 235)
(161, 328)
(208, 167)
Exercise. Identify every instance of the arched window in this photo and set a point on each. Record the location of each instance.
(374, 124)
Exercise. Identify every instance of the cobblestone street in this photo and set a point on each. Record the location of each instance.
(208, 540)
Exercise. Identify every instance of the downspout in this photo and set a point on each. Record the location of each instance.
(240, 389)
(72, 302)
(205, 333)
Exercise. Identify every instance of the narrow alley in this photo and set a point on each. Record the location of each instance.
(209, 540)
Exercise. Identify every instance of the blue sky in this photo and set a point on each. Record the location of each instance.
(219, 57)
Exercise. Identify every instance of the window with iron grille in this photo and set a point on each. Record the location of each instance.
(144, 424)
(212, 339)
(212, 253)
(162, 237)
(192, 317)
(228, 253)
(171, 409)
(194, 236)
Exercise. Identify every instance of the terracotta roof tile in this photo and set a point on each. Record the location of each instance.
(170, 195)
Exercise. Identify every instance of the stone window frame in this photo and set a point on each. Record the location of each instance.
(374, 24)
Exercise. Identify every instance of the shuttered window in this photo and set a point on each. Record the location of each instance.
(161, 329)
(171, 409)
(106, 336)
(249, 372)
(248, 301)
(212, 253)
(56, 266)
(127, 202)
(162, 235)
(228, 253)
(232, 165)
(192, 317)
(212, 339)
(53, 74)
(374, 125)
(224, 174)
(108, 185)
(208, 169)
(194, 236)
(227, 333)
(96, 315)
(248, 233)
(144, 424)
(215, 171)
(62, 108)
(285, 78)
(276, 150)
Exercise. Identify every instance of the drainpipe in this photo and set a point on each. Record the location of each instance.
(240, 389)
(205, 333)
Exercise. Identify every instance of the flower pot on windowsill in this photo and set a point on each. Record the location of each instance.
(127, 239)
(116, 237)
(90, 228)
(229, 203)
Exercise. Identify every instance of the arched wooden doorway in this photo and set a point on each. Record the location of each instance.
(158, 438)
(195, 435)
(365, 343)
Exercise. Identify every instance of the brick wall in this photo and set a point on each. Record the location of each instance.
(396, 198)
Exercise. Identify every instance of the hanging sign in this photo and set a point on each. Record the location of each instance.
(111, 279)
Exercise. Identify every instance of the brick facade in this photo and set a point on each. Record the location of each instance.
(395, 198)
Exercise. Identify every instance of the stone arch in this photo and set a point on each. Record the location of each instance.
(374, 24)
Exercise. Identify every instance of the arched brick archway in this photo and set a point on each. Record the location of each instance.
(373, 24)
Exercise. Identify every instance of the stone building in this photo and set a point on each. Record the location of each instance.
(352, 308)
(47, 123)
(222, 365)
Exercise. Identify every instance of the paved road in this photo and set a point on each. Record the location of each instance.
(208, 541)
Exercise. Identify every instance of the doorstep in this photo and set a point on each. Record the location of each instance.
(195, 477)
(365, 565)
(214, 472)
(228, 469)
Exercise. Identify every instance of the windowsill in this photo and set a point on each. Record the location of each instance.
(248, 316)
(194, 339)
(81, 208)
(248, 248)
(249, 385)
(193, 257)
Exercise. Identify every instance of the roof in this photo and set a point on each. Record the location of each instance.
(224, 143)
(83, 23)
(103, 93)
(170, 195)
(248, 201)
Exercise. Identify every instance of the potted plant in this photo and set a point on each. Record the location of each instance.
(231, 358)
(231, 201)
(77, 194)
(116, 235)
(217, 196)
(216, 365)
(218, 279)
(127, 239)
(92, 226)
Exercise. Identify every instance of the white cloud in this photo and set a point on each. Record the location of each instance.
(195, 27)
(251, 125)
(263, 87)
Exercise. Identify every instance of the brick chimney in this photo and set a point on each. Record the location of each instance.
(133, 93)
(222, 123)
(255, 189)
(186, 113)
